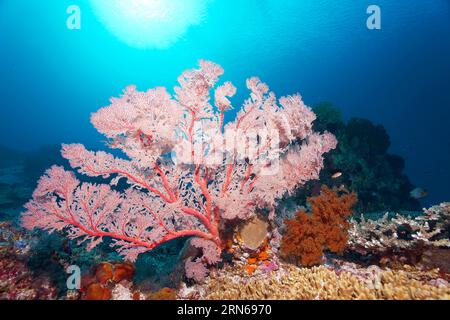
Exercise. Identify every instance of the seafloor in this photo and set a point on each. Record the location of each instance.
(413, 266)
(386, 253)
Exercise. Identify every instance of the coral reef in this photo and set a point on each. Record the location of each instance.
(163, 294)
(253, 233)
(367, 167)
(109, 281)
(43, 258)
(253, 247)
(17, 280)
(257, 274)
(294, 283)
(405, 239)
(13, 241)
(307, 236)
(163, 266)
(197, 196)
(188, 174)
(115, 281)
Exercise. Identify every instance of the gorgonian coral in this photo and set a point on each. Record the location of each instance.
(325, 228)
(188, 172)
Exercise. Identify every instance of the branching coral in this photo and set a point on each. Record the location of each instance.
(401, 233)
(188, 172)
(308, 235)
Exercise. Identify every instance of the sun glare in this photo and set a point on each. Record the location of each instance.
(149, 23)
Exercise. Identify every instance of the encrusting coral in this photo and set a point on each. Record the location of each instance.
(189, 174)
(307, 236)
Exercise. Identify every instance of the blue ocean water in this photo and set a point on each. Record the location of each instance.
(52, 78)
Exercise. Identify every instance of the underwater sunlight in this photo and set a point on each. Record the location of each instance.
(227, 150)
(149, 23)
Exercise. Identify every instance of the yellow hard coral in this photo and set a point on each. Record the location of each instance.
(295, 283)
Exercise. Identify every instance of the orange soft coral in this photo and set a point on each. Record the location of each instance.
(250, 268)
(326, 228)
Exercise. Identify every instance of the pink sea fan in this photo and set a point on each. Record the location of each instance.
(211, 254)
(222, 92)
(188, 173)
(300, 117)
(258, 89)
(196, 270)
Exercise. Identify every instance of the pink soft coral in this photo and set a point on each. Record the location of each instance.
(188, 173)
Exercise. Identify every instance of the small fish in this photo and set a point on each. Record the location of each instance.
(336, 175)
(20, 244)
(418, 193)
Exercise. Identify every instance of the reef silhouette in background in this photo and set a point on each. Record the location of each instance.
(364, 162)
